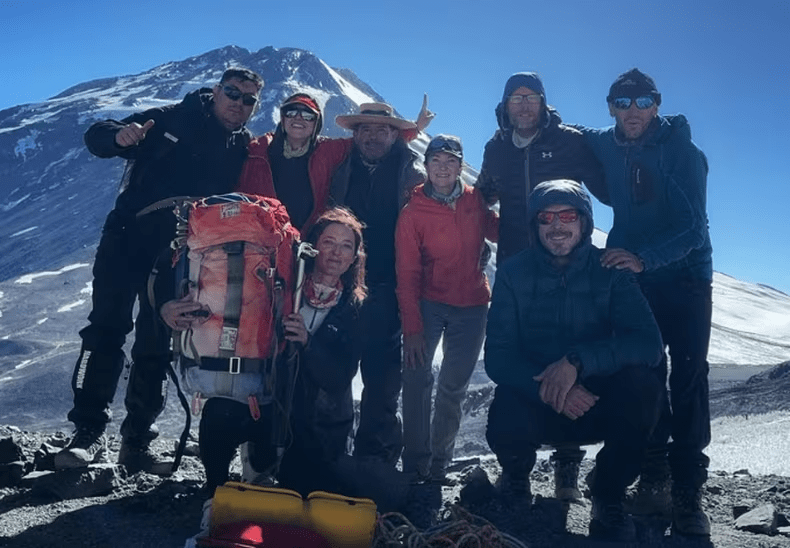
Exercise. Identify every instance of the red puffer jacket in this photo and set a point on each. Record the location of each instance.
(438, 249)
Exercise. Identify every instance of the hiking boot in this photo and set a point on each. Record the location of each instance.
(515, 487)
(610, 522)
(138, 457)
(88, 446)
(688, 518)
(653, 497)
(566, 480)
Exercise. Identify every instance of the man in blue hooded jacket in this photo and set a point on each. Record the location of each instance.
(656, 181)
(532, 145)
(571, 346)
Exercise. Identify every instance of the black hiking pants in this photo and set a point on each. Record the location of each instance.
(120, 275)
(623, 418)
(224, 425)
(683, 311)
(379, 434)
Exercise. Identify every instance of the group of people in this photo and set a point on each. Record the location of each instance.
(574, 335)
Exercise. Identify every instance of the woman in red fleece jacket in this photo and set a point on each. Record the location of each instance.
(442, 292)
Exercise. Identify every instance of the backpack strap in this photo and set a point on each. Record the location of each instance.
(235, 286)
(182, 442)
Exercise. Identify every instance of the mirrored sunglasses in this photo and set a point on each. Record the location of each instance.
(642, 102)
(306, 115)
(532, 98)
(565, 216)
(234, 94)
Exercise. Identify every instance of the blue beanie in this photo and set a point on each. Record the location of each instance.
(529, 80)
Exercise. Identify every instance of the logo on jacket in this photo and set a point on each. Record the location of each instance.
(546, 155)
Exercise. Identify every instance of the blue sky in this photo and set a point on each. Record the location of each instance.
(723, 64)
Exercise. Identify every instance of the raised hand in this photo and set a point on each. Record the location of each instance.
(425, 116)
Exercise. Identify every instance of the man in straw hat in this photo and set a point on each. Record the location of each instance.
(375, 182)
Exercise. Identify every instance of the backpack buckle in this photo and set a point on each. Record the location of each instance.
(234, 365)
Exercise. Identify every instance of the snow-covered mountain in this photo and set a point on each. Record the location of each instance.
(54, 196)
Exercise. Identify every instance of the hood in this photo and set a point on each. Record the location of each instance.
(661, 129)
(529, 80)
(199, 99)
(560, 191)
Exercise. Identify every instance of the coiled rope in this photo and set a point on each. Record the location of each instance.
(461, 529)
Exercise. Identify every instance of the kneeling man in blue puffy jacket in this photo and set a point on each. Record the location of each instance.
(572, 347)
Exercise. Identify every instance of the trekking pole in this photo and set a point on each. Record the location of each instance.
(304, 251)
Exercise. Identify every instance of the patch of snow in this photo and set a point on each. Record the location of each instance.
(23, 231)
(71, 306)
(42, 320)
(26, 143)
(11, 205)
(757, 442)
(28, 278)
(23, 364)
(348, 89)
(88, 289)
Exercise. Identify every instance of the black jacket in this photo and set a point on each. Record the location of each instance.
(509, 174)
(186, 153)
(323, 409)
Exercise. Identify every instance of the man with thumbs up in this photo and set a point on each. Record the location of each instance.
(193, 148)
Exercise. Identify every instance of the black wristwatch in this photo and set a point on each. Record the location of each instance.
(574, 359)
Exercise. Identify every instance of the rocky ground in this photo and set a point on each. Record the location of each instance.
(104, 507)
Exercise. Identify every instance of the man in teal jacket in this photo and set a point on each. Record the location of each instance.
(571, 346)
(656, 183)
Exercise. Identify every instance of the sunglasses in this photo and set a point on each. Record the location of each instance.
(532, 98)
(306, 115)
(565, 216)
(234, 94)
(439, 144)
(642, 102)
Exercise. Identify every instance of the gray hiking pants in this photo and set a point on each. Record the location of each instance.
(428, 446)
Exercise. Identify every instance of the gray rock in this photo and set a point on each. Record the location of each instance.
(762, 519)
(95, 480)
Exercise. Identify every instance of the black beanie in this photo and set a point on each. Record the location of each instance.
(633, 83)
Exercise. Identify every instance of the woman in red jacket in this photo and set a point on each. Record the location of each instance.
(295, 165)
(442, 292)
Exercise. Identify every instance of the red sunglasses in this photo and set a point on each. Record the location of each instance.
(565, 216)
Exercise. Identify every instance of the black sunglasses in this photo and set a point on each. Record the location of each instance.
(307, 115)
(234, 94)
(642, 102)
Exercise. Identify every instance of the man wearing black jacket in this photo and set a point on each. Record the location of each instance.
(193, 148)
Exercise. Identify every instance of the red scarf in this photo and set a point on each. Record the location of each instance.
(319, 295)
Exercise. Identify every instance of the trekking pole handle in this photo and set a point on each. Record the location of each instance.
(304, 251)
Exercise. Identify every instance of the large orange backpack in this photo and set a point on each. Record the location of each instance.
(239, 251)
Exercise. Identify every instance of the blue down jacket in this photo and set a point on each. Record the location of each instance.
(540, 313)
